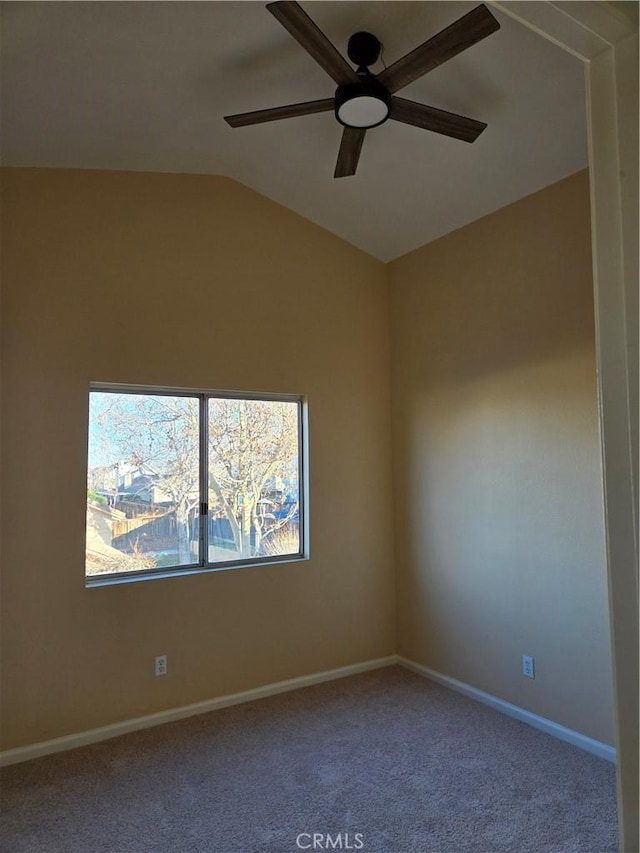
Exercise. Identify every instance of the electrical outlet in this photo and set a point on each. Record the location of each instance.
(528, 667)
(161, 665)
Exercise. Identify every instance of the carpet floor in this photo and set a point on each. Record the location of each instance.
(382, 762)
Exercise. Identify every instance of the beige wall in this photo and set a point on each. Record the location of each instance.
(499, 520)
(196, 281)
(182, 281)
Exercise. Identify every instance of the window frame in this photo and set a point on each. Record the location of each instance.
(203, 565)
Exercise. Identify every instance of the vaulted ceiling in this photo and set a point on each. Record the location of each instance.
(144, 86)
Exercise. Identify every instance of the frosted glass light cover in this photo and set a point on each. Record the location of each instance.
(363, 111)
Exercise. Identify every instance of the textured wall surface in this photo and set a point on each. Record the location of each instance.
(191, 281)
(498, 493)
(182, 281)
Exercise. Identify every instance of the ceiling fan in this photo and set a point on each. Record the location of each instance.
(364, 100)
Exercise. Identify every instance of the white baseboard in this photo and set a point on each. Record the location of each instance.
(61, 744)
(595, 747)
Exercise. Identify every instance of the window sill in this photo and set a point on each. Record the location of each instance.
(116, 579)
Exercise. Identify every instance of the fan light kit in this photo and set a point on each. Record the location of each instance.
(356, 106)
(364, 100)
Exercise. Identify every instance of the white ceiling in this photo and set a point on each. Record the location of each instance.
(144, 86)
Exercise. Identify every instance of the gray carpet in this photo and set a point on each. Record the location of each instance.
(383, 762)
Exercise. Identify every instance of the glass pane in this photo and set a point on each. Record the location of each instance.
(254, 491)
(143, 482)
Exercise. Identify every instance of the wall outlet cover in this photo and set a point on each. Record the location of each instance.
(528, 666)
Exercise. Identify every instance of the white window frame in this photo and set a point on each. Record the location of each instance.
(203, 564)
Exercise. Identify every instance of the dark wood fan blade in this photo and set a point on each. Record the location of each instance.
(290, 111)
(465, 32)
(294, 19)
(440, 121)
(349, 153)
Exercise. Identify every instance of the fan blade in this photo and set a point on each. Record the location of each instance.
(294, 19)
(290, 111)
(349, 153)
(465, 32)
(429, 118)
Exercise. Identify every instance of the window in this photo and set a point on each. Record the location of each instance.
(187, 481)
